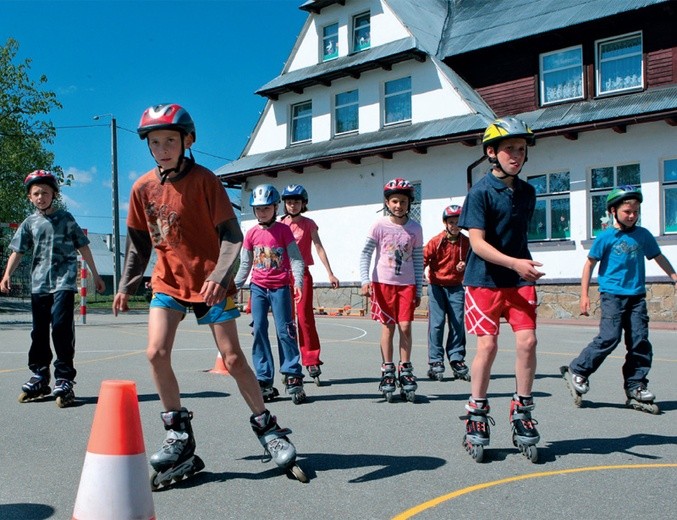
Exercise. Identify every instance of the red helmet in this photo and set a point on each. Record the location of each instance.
(399, 186)
(166, 117)
(453, 210)
(41, 177)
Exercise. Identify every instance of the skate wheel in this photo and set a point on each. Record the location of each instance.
(388, 396)
(440, 377)
(154, 483)
(298, 474)
(514, 441)
(23, 397)
(298, 397)
(531, 453)
(317, 381)
(477, 453)
(409, 396)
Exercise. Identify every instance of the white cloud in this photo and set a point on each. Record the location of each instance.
(81, 176)
(70, 202)
(133, 175)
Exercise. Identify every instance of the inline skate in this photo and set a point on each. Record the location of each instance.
(314, 371)
(294, 387)
(406, 380)
(63, 391)
(387, 384)
(460, 370)
(436, 371)
(577, 385)
(36, 388)
(477, 430)
(268, 391)
(276, 444)
(524, 433)
(642, 399)
(176, 458)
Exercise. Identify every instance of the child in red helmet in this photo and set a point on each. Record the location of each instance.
(444, 258)
(54, 238)
(396, 283)
(182, 210)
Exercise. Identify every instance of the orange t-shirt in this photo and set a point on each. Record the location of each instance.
(181, 217)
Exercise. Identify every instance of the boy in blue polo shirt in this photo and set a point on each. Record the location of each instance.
(499, 281)
(620, 251)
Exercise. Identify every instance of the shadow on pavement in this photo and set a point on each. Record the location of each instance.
(24, 511)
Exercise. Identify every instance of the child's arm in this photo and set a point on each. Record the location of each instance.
(297, 267)
(12, 263)
(86, 254)
(665, 264)
(246, 261)
(138, 249)
(365, 260)
(417, 256)
(215, 287)
(584, 305)
(322, 254)
(523, 266)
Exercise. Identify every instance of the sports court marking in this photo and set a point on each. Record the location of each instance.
(409, 513)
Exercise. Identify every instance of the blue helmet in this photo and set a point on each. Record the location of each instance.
(295, 191)
(264, 195)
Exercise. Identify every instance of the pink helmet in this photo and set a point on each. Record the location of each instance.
(399, 186)
(454, 210)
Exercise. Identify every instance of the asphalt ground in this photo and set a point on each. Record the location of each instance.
(365, 458)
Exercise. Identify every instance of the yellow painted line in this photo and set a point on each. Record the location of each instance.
(444, 498)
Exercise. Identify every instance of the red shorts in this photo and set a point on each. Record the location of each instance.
(392, 304)
(484, 307)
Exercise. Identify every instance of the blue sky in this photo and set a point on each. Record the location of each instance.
(119, 57)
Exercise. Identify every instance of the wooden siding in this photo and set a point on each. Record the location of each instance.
(660, 67)
(511, 97)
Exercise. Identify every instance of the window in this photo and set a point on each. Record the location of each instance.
(415, 209)
(346, 112)
(552, 214)
(619, 64)
(562, 75)
(669, 189)
(602, 181)
(330, 42)
(397, 101)
(301, 122)
(361, 32)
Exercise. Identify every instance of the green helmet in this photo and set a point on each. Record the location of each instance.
(621, 194)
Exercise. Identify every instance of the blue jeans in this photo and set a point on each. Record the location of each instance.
(445, 304)
(620, 314)
(279, 300)
(55, 310)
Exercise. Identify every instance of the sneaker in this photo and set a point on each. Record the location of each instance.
(640, 393)
(580, 383)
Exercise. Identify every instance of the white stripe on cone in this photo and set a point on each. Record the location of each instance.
(114, 487)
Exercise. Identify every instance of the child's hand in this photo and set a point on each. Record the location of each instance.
(460, 267)
(212, 292)
(585, 306)
(297, 294)
(5, 286)
(120, 303)
(365, 290)
(100, 285)
(527, 269)
(333, 281)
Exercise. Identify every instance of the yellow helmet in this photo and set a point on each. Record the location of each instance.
(505, 128)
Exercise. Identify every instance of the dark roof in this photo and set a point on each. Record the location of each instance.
(315, 6)
(382, 56)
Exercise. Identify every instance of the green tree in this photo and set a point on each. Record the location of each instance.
(24, 131)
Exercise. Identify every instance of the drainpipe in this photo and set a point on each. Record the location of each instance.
(471, 167)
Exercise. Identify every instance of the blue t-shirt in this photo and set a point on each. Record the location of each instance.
(504, 215)
(621, 259)
(54, 240)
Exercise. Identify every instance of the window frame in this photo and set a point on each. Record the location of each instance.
(599, 61)
(386, 97)
(356, 29)
(344, 106)
(325, 37)
(542, 73)
(293, 120)
(548, 196)
(603, 191)
(671, 186)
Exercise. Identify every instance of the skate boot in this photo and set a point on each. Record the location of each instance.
(37, 387)
(436, 371)
(387, 384)
(524, 433)
(314, 371)
(642, 399)
(268, 391)
(407, 381)
(577, 385)
(460, 370)
(295, 389)
(63, 391)
(276, 444)
(176, 458)
(477, 431)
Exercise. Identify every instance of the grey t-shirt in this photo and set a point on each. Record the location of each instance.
(54, 241)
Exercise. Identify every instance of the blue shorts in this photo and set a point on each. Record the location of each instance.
(225, 310)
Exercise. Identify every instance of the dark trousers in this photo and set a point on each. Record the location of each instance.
(55, 310)
(620, 315)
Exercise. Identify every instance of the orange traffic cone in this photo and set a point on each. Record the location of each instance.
(114, 484)
(219, 366)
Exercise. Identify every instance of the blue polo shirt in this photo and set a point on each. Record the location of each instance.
(504, 214)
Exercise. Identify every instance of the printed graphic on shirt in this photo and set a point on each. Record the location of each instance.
(624, 248)
(267, 258)
(397, 252)
(163, 223)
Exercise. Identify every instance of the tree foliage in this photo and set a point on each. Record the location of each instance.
(24, 131)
